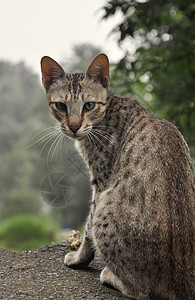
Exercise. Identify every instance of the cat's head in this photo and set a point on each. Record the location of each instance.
(77, 101)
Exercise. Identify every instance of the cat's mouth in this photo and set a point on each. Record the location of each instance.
(76, 135)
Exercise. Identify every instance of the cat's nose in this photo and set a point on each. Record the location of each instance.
(74, 127)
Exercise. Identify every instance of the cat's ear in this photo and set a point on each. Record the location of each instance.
(51, 71)
(99, 70)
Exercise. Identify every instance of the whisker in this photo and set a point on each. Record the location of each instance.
(99, 140)
(41, 139)
(49, 139)
(105, 135)
(89, 138)
(58, 142)
(45, 129)
(93, 140)
(63, 148)
(50, 148)
(97, 127)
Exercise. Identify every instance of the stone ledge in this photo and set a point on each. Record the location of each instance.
(41, 274)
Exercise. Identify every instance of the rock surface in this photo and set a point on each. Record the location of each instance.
(41, 274)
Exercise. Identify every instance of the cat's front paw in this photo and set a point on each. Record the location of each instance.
(75, 260)
(71, 259)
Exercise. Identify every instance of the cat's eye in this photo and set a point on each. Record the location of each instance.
(61, 106)
(89, 106)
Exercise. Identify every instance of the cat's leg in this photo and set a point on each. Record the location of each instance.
(107, 277)
(85, 253)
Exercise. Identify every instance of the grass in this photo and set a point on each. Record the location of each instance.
(27, 232)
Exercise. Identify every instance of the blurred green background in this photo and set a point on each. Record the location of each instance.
(159, 72)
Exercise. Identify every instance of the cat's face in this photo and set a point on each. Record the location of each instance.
(77, 101)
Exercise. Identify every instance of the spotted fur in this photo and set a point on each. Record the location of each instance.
(141, 220)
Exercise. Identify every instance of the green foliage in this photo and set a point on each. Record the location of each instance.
(158, 66)
(27, 232)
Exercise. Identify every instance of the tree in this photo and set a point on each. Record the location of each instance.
(158, 59)
(19, 91)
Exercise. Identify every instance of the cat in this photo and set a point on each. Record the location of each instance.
(141, 220)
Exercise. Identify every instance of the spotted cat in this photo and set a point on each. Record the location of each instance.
(141, 220)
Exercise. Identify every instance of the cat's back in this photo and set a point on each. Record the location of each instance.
(154, 169)
(151, 153)
(154, 188)
(153, 147)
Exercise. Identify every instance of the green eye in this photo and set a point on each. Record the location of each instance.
(61, 106)
(89, 106)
